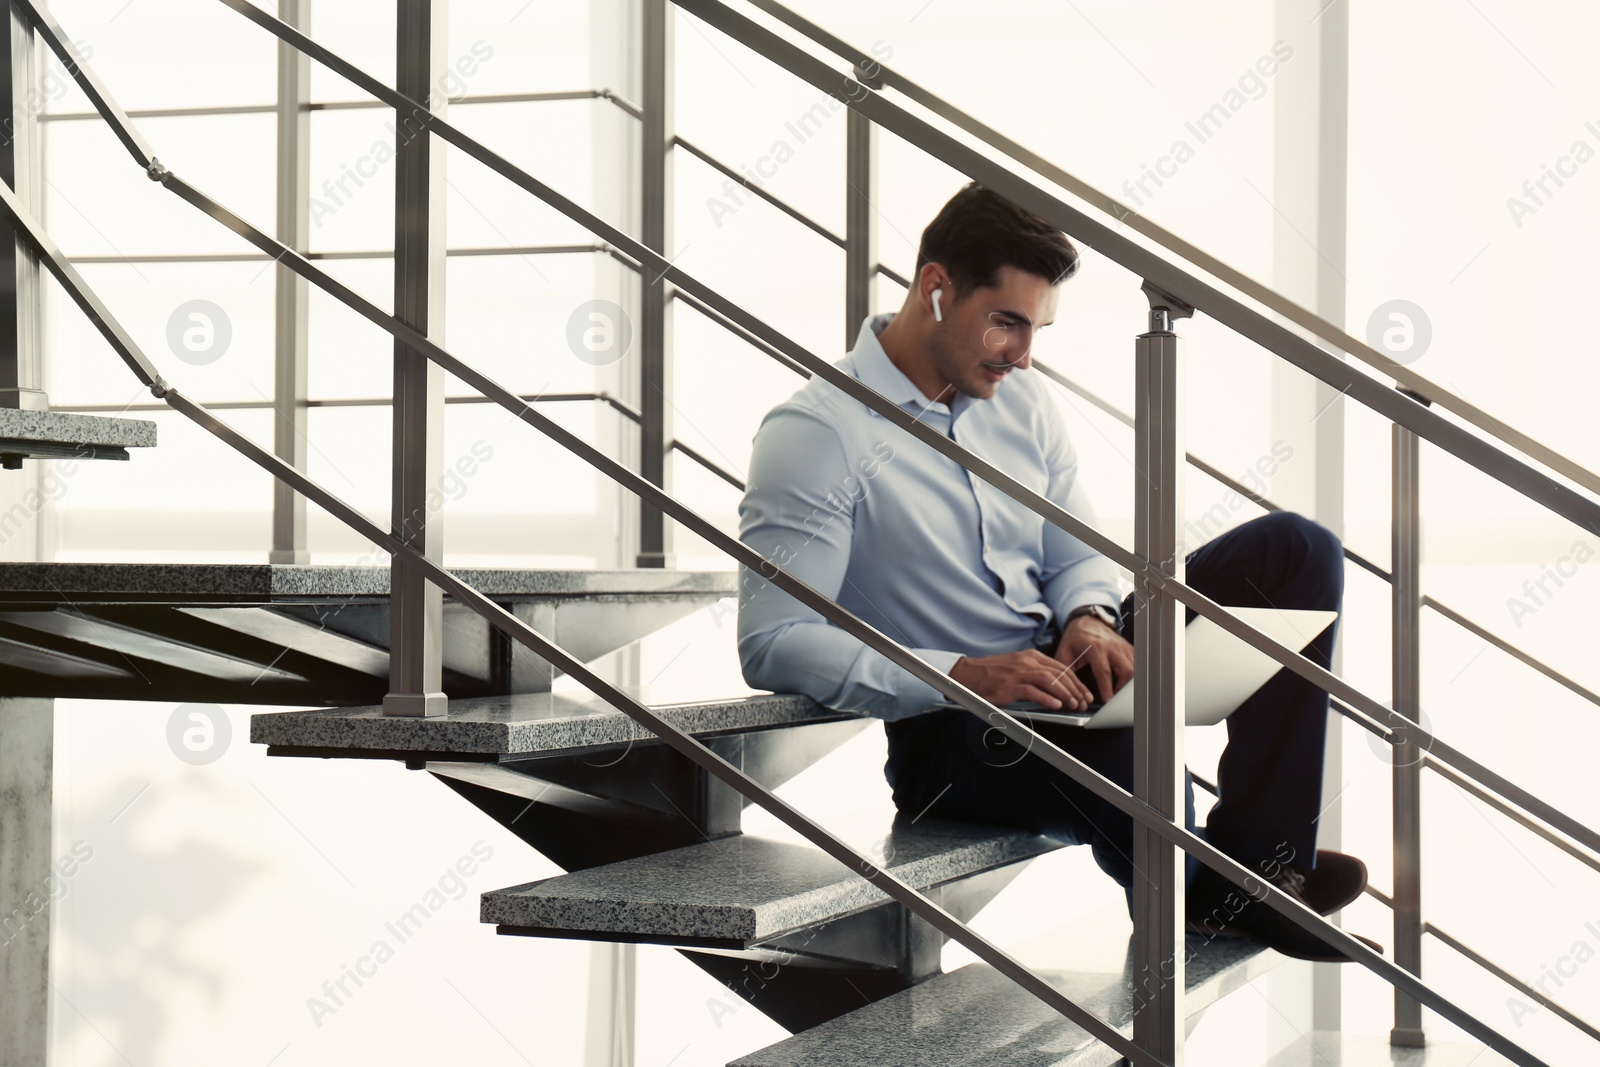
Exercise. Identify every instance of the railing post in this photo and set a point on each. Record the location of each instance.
(290, 330)
(416, 610)
(860, 235)
(1158, 762)
(655, 326)
(21, 344)
(1405, 549)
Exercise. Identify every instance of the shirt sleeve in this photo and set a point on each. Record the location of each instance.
(1073, 573)
(797, 514)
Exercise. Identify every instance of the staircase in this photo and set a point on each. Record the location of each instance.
(838, 936)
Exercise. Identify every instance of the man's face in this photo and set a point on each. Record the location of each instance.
(988, 333)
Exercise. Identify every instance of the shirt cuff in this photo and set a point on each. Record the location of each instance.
(915, 695)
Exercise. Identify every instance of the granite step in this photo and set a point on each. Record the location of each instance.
(975, 1015)
(512, 728)
(743, 892)
(27, 434)
(309, 635)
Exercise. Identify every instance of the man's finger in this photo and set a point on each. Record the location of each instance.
(1066, 685)
(1122, 664)
(1100, 663)
(1038, 696)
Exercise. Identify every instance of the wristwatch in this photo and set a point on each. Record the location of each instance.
(1099, 611)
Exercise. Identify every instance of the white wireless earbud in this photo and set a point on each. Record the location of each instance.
(938, 316)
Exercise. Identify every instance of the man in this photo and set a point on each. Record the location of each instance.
(1010, 605)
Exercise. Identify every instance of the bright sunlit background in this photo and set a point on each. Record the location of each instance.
(219, 899)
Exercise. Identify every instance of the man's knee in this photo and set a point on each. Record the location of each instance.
(1319, 548)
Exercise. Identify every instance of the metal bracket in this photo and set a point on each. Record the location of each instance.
(1414, 395)
(1164, 308)
(871, 76)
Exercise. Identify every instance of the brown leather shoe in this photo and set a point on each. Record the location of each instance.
(1336, 880)
(1218, 908)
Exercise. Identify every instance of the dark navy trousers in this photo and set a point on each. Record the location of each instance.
(951, 764)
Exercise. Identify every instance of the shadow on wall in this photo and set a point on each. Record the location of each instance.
(131, 943)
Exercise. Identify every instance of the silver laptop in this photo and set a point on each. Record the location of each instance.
(1220, 670)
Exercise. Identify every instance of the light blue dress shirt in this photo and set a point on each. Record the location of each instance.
(902, 536)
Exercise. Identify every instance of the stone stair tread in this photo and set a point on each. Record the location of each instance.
(976, 1017)
(65, 434)
(522, 724)
(748, 888)
(212, 583)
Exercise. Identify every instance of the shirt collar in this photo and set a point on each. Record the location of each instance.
(874, 368)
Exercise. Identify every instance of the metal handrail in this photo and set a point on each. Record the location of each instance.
(1273, 300)
(1136, 809)
(350, 402)
(360, 253)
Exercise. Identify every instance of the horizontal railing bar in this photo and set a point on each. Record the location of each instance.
(728, 172)
(257, 257)
(903, 657)
(1158, 272)
(676, 445)
(347, 105)
(733, 328)
(1510, 979)
(1263, 294)
(167, 112)
(1512, 650)
(345, 402)
(682, 742)
(894, 276)
(1512, 813)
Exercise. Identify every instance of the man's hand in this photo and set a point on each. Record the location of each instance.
(1090, 641)
(1029, 675)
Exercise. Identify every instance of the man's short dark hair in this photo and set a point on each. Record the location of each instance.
(979, 231)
